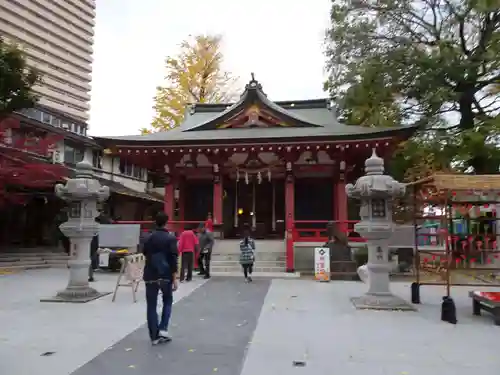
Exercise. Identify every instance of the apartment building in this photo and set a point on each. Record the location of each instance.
(57, 36)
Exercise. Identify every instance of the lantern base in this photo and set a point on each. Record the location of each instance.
(76, 295)
(381, 302)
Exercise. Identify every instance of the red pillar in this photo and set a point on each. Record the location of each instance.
(218, 197)
(182, 198)
(290, 217)
(341, 204)
(169, 199)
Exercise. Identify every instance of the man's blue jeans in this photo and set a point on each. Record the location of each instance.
(152, 290)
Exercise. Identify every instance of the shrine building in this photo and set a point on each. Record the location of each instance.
(274, 165)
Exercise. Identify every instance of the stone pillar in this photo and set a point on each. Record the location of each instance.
(289, 217)
(82, 194)
(217, 196)
(376, 192)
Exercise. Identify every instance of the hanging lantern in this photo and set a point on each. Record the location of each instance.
(259, 177)
(246, 178)
(237, 175)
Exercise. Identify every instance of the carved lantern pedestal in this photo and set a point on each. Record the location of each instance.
(82, 193)
(376, 192)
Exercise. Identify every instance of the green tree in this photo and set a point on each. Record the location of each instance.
(432, 63)
(195, 75)
(16, 80)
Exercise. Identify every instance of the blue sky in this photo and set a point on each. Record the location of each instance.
(279, 40)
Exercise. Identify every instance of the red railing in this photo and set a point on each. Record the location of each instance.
(316, 231)
(173, 226)
(303, 230)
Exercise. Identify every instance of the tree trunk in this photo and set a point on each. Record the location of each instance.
(465, 107)
(481, 165)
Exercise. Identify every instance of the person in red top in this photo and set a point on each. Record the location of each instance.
(209, 224)
(188, 245)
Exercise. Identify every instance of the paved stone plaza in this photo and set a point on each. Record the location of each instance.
(228, 327)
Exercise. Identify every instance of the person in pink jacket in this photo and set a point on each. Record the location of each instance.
(188, 246)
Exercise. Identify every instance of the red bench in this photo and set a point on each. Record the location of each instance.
(488, 301)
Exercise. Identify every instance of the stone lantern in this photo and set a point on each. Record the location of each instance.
(376, 192)
(82, 194)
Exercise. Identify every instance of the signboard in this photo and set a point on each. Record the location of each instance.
(104, 259)
(322, 264)
(119, 235)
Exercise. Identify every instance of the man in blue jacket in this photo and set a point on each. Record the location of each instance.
(160, 274)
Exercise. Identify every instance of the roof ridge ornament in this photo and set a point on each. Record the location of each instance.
(253, 84)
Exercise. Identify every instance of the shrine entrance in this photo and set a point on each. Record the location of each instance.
(261, 205)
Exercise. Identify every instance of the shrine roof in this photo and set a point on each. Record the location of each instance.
(444, 181)
(254, 116)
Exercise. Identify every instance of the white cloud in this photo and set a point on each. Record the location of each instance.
(280, 41)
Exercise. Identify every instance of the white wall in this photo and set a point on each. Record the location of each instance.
(111, 164)
(58, 152)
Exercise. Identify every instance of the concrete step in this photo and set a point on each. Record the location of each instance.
(57, 261)
(25, 267)
(29, 255)
(226, 263)
(22, 262)
(57, 265)
(16, 259)
(256, 275)
(56, 257)
(271, 257)
(263, 246)
(237, 268)
(9, 259)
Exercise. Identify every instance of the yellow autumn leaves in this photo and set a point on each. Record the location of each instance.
(194, 75)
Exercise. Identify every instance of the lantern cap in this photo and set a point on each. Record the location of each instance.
(374, 165)
(84, 169)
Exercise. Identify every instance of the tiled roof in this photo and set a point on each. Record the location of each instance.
(339, 131)
(310, 118)
(461, 182)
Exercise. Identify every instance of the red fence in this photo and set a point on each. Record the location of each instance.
(316, 230)
(303, 230)
(173, 226)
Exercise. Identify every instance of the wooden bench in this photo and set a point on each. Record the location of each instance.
(488, 301)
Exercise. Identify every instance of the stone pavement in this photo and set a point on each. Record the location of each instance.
(316, 323)
(76, 333)
(228, 327)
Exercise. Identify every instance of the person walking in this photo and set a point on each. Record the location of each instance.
(209, 223)
(247, 253)
(160, 274)
(188, 246)
(206, 244)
